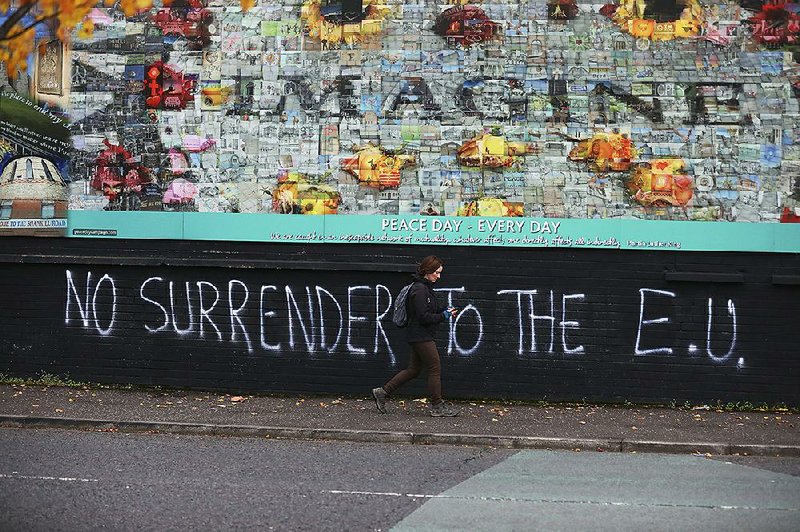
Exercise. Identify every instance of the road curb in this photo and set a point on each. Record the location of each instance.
(376, 436)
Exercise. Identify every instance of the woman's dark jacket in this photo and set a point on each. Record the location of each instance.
(424, 312)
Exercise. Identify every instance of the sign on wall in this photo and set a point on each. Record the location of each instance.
(440, 231)
(35, 151)
(602, 119)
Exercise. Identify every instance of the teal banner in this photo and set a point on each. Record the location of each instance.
(441, 230)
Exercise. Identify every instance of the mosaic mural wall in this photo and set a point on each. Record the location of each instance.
(643, 109)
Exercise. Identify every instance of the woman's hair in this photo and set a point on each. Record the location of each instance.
(429, 264)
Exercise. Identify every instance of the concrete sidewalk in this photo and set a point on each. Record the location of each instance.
(498, 424)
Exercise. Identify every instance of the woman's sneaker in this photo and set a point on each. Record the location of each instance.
(443, 409)
(380, 396)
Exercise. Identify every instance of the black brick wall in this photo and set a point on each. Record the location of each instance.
(750, 354)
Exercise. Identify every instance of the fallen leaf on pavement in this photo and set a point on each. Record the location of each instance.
(237, 399)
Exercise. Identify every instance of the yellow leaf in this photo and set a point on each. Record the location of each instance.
(14, 53)
(247, 4)
(132, 7)
(86, 30)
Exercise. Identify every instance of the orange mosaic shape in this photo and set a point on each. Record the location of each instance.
(643, 20)
(661, 183)
(333, 23)
(376, 167)
(297, 194)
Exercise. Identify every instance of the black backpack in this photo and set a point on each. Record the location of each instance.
(400, 314)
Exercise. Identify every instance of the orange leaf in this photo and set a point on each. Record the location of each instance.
(132, 7)
(86, 30)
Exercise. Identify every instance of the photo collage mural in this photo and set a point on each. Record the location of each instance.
(679, 111)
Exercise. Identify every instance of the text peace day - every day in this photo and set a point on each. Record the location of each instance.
(484, 225)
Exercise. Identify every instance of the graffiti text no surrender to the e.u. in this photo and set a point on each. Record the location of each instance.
(185, 309)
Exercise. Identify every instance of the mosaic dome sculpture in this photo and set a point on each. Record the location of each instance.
(32, 178)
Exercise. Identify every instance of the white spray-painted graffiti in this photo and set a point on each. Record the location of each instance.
(85, 310)
(548, 318)
(203, 297)
(643, 322)
(692, 347)
(317, 322)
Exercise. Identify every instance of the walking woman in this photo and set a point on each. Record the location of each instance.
(424, 316)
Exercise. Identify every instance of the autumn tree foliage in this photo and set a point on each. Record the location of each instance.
(17, 31)
(22, 17)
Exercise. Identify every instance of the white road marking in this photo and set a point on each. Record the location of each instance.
(16, 476)
(391, 494)
(552, 501)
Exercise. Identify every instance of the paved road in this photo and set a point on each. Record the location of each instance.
(81, 480)
(70, 480)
